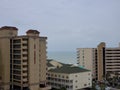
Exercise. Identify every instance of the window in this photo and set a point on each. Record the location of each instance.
(17, 41)
(17, 77)
(25, 49)
(17, 62)
(66, 80)
(85, 84)
(24, 76)
(24, 39)
(71, 81)
(24, 66)
(48, 74)
(16, 81)
(51, 74)
(16, 67)
(17, 51)
(16, 46)
(25, 82)
(16, 72)
(66, 77)
(75, 75)
(25, 55)
(16, 56)
(71, 86)
(24, 44)
(88, 83)
(24, 71)
(55, 75)
(25, 60)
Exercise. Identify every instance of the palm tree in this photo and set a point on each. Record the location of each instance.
(107, 76)
(63, 88)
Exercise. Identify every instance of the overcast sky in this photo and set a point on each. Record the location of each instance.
(68, 24)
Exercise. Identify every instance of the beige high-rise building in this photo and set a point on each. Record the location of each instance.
(112, 60)
(87, 58)
(22, 60)
(100, 60)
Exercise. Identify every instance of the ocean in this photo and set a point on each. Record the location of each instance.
(64, 57)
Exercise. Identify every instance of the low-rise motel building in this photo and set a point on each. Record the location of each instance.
(68, 76)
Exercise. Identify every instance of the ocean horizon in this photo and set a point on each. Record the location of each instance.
(67, 57)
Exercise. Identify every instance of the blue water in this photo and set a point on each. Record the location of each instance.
(64, 57)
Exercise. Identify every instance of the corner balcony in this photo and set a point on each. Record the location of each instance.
(44, 86)
(47, 87)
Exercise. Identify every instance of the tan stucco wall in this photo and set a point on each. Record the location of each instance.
(33, 65)
(5, 61)
(100, 60)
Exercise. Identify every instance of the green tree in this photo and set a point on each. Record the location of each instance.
(107, 76)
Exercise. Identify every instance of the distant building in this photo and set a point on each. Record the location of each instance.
(87, 59)
(112, 60)
(69, 76)
(100, 60)
(22, 60)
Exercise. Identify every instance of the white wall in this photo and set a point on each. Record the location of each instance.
(81, 80)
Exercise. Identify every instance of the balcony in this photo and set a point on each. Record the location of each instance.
(25, 52)
(16, 62)
(24, 47)
(47, 87)
(24, 74)
(25, 79)
(17, 67)
(16, 46)
(25, 63)
(25, 58)
(25, 41)
(25, 69)
(17, 56)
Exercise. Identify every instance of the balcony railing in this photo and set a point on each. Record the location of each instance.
(47, 87)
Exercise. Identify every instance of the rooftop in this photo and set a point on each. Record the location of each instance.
(8, 28)
(33, 31)
(66, 68)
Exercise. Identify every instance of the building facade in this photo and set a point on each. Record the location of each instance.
(112, 60)
(100, 60)
(86, 58)
(68, 76)
(22, 60)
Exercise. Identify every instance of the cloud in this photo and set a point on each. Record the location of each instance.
(68, 24)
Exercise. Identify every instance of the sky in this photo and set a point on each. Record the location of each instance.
(68, 24)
